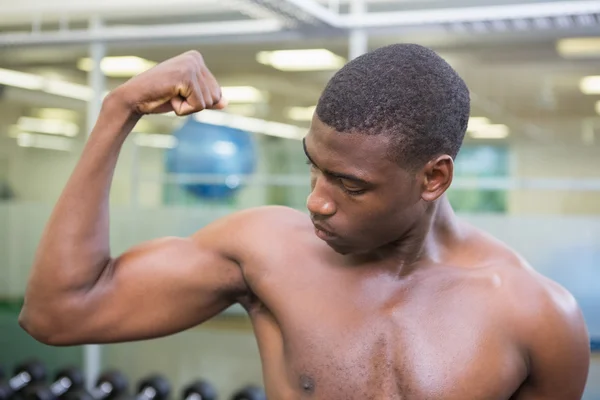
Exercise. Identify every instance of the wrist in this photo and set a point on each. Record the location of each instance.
(117, 112)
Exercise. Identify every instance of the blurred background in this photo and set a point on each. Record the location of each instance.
(529, 171)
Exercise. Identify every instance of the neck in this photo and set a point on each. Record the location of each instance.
(427, 240)
(442, 232)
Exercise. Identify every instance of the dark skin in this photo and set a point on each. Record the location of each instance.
(401, 300)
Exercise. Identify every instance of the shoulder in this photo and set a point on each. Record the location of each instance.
(269, 218)
(522, 290)
(548, 315)
(253, 229)
(533, 300)
(541, 304)
(539, 316)
(535, 309)
(530, 300)
(250, 227)
(543, 320)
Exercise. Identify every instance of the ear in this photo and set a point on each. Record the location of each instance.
(437, 177)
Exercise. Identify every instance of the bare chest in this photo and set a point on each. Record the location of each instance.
(371, 340)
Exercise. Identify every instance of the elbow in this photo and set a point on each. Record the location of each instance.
(44, 328)
(35, 328)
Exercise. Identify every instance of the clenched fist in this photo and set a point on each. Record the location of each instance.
(182, 84)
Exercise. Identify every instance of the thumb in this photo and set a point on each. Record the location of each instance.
(181, 106)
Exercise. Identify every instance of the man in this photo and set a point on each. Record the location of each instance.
(380, 293)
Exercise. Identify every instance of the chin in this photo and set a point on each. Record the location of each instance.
(340, 249)
(347, 249)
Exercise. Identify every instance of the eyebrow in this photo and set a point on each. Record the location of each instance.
(332, 173)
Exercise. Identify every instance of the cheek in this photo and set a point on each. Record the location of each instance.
(389, 214)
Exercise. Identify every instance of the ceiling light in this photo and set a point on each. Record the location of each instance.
(242, 94)
(495, 131)
(579, 47)
(248, 124)
(21, 79)
(301, 113)
(590, 85)
(53, 86)
(48, 126)
(36, 82)
(477, 122)
(247, 110)
(57, 113)
(118, 67)
(68, 89)
(26, 139)
(155, 140)
(301, 60)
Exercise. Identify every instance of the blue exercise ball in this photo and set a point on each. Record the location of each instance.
(210, 149)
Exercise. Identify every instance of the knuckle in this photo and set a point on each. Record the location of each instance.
(194, 57)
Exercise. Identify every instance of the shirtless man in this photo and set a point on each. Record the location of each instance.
(380, 292)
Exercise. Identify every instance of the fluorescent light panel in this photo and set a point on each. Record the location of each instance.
(587, 47)
(301, 113)
(155, 140)
(57, 113)
(48, 126)
(247, 110)
(494, 131)
(250, 124)
(301, 60)
(118, 67)
(242, 94)
(68, 89)
(483, 128)
(590, 85)
(27, 139)
(29, 81)
(477, 122)
(22, 80)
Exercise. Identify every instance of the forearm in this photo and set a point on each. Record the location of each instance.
(74, 248)
(74, 281)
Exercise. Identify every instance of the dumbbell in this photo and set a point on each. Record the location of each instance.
(24, 375)
(200, 390)
(109, 386)
(66, 380)
(154, 387)
(250, 392)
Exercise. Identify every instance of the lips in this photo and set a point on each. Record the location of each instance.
(322, 232)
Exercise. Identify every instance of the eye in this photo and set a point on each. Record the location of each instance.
(351, 189)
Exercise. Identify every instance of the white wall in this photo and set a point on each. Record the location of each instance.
(559, 162)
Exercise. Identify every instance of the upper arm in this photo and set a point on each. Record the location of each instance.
(162, 286)
(559, 350)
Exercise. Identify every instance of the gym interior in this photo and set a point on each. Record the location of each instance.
(528, 172)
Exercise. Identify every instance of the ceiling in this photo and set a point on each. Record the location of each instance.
(517, 76)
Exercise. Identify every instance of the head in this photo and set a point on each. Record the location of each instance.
(382, 143)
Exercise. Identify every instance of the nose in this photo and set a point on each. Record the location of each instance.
(318, 203)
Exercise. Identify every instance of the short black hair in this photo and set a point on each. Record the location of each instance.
(406, 91)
